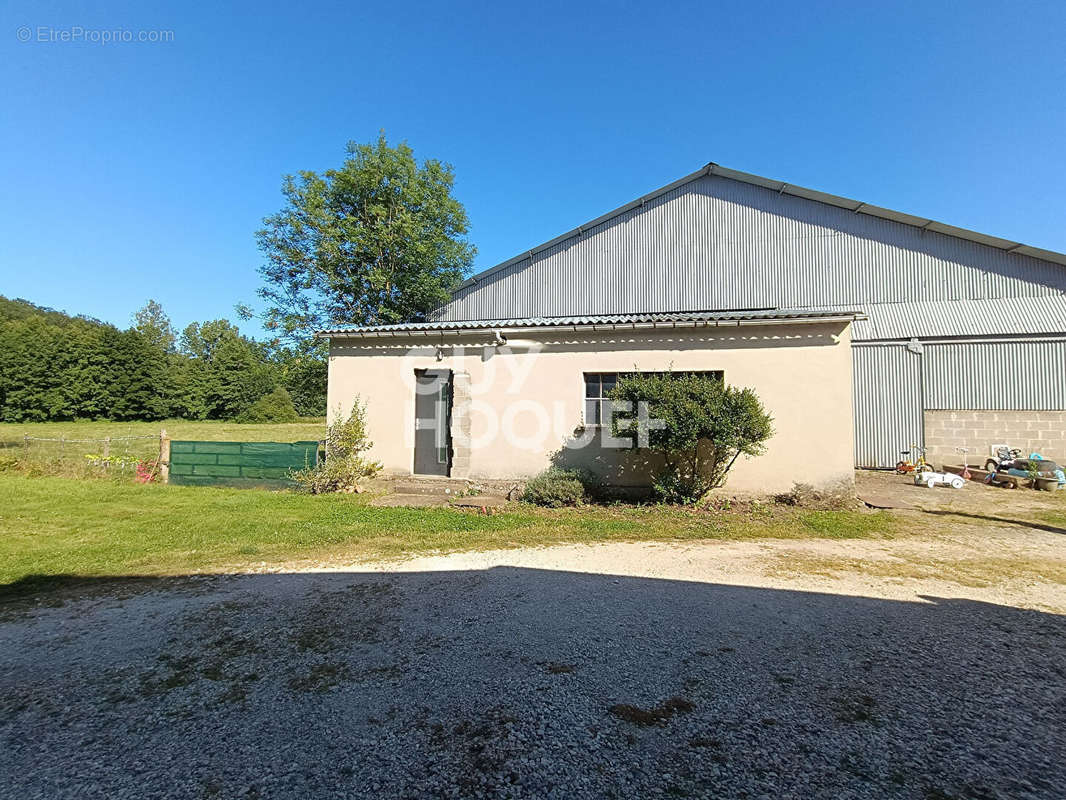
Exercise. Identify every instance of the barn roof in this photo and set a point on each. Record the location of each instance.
(781, 187)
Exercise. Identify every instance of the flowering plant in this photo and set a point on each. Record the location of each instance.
(147, 471)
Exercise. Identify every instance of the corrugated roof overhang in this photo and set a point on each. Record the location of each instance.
(659, 321)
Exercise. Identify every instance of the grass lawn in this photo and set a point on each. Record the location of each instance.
(12, 433)
(53, 529)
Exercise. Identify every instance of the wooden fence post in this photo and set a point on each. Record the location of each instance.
(107, 452)
(164, 457)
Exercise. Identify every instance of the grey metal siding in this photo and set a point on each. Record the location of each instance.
(888, 403)
(717, 243)
(937, 318)
(894, 387)
(1013, 375)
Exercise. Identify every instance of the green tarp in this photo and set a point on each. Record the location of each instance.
(264, 464)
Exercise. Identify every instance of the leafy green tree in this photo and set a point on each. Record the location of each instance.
(379, 240)
(270, 408)
(698, 425)
(154, 325)
(302, 371)
(86, 365)
(30, 384)
(230, 371)
(137, 378)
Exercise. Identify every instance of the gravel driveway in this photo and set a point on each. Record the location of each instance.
(469, 677)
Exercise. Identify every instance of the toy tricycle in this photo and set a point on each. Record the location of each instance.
(933, 479)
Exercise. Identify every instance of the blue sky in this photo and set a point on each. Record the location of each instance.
(137, 170)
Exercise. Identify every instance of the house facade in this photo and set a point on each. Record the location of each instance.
(863, 330)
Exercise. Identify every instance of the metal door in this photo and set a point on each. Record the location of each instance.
(433, 407)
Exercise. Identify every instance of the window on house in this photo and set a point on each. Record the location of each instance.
(599, 384)
(597, 403)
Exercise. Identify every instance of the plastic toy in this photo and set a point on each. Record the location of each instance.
(933, 479)
(1034, 466)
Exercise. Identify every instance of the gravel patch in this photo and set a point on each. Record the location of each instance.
(468, 677)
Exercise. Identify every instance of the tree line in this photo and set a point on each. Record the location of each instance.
(54, 366)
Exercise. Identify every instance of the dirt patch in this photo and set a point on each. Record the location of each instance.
(656, 715)
(975, 501)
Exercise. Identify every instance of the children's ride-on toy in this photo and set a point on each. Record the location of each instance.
(906, 465)
(1035, 467)
(1004, 459)
(933, 479)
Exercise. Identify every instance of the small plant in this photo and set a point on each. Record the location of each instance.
(270, 408)
(1033, 471)
(344, 468)
(147, 471)
(557, 487)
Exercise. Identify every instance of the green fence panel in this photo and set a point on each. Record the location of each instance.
(217, 471)
(233, 448)
(261, 464)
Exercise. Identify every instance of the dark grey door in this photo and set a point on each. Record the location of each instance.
(433, 407)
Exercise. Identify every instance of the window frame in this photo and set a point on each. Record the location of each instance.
(600, 400)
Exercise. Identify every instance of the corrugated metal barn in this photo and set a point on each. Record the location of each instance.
(965, 335)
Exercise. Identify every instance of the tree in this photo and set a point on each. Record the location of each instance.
(698, 425)
(380, 240)
(302, 371)
(30, 385)
(154, 325)
(137, 377)
(230, 371)
(270, 408)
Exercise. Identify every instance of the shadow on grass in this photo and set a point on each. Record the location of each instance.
(1040, 526)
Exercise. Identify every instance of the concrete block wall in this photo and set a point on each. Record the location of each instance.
(1041, 432)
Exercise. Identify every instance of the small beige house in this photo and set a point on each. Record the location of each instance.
(507, 398)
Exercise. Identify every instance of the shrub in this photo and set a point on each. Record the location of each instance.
(344, 468)
(698, 425)
(556, 487)
(273, 407)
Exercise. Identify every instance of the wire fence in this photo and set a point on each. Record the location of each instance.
(110, 454)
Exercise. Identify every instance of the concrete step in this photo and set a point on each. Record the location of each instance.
(394, 500)
(442, 486)
(445, 487)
